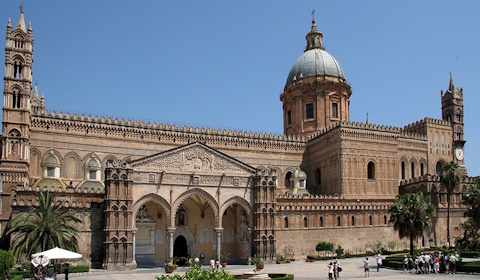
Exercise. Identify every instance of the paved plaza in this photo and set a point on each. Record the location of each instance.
(352, 269)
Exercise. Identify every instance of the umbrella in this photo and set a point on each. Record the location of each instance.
(40, 260)
(58, 254)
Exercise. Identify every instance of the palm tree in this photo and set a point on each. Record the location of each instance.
(411, 215)
(43, 227)
(450, 179)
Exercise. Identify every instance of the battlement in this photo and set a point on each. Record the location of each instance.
(103, 126)
(370, 129)
(426, 121)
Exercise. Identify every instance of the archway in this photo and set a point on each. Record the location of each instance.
(151, 219)
(180, 249)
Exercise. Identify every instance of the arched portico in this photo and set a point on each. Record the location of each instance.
(152, 215)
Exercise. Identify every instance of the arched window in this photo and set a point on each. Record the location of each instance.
(370, 220)
(353, 221)
(285, 222)
(385, 219)
(92, 169)
(17, 69)
(439, 169)
(51, 166)
(287, 179)
(321, 221)
(339, 221)
(422, 169)
(305, 222)
(402, 170)
(318, 177)
(412, 167)
(371, 170)
(16, 97)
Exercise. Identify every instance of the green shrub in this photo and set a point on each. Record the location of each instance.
(78, 268)
(6, 262)
(468, 266)
(469, 254)
(17, 277)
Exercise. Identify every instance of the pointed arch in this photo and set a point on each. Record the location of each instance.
(201, 193)
(155, 198)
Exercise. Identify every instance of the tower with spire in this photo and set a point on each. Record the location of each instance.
(15, 147)
(452, 111)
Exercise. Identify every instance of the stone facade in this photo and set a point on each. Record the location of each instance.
(149, 191)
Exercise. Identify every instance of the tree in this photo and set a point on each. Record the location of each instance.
(471, 227)
(411, 214)
(43, 227)
(450, 179)
(323, 246)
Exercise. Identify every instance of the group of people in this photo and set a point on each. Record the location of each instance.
(435, 262)
(334, 270)
(366, 265)
(214, 264)
(41, 273)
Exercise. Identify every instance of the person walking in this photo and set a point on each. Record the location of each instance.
(366, 266)
(67, 266)
(379, 262)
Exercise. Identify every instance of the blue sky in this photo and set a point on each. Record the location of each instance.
(223, 64)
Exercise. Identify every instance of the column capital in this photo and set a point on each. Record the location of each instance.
(171, 229)
(219, 229)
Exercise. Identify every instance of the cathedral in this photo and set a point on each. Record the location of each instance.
(148, 191)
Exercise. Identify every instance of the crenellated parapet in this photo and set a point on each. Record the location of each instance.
(159, 132)
(314, 203)
(357, 130)
(426, 121)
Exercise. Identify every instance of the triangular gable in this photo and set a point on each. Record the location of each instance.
(195, 157)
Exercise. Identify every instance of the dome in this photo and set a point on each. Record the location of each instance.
(315, 62)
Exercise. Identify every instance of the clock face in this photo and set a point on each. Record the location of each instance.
(459, 153)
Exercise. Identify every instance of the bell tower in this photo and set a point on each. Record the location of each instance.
(452, 111)
(15, 147)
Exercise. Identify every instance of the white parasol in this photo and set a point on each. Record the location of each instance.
(58, 254)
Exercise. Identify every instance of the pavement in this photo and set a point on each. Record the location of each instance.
(352, 269)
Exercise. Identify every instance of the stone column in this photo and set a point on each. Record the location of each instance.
(219, 232)
(170, 243)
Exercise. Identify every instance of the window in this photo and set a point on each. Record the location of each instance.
(370, 220)
(371, 170)
(412, 167)
(305, 222)
(287, 179)
(289, 117)
(385, 219)
(402, 170)
(92, 174)
(335, 110)
(422, 169)
(318, 177)
(16, 99)
(339, 222)
(321, 221)
(286, 222)
(353, 221)
(309, 110)
(17, 70)
(50, 171)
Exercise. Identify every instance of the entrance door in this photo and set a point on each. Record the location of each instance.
(180, 249)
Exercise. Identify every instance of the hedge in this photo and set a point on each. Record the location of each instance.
(468, 267)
